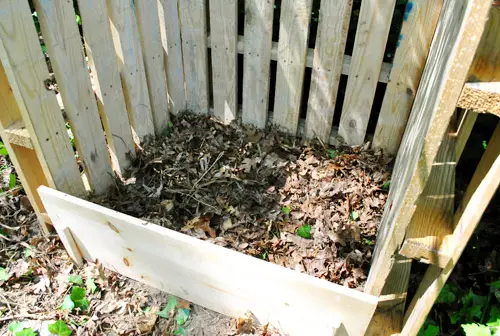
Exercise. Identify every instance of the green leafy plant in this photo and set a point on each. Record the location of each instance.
(386, 185)
(286, 210)
(4, 275)
(59, 328)
(181, 316)
(485, 144)
(75, 279)
(332, 153)
(3, 150)
(26, 332)
(90, 284)
(77, 299)
(16, 326)
(304, 231)
(354, 215)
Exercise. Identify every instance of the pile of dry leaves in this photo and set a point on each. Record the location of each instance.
(298, 204)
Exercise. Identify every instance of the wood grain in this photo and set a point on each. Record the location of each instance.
(194, 48)
(154, 63)
(224, 34)
(457, 36)
(292, 51)
(409, 61)
(131, 66)
(328, 60)
(217, 278)
(371, 36)
(481, 98)
(257, 61)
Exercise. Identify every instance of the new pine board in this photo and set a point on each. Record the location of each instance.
(257, 61)
(108, 88)
(415, 39)
(369, 45)
(194, 49)
(217, 278)
(62, 37)
(292, 51)
(334, 19)
(457, 35)
(26, 71)
(224, 34)
(131, 66)
(172, 46)
(154, 63)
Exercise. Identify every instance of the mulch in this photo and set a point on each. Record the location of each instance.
(296, 203)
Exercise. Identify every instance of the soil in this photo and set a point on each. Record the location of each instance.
(295, 203)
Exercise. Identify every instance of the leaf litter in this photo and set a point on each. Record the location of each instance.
(296, 203)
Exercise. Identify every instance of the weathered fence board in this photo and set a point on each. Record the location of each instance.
(62, 37)
(26, 70)
(131, 66)
(327, 67)
(292, 52)
(224, 37)
(414, 42)
(456, 39)
(194, 48)
(371, 37)
(108, 88)
(154, 64)
(172, 46)
(257, 59)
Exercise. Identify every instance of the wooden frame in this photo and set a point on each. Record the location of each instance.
(215, 277)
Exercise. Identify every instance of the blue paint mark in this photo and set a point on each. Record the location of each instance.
(408, 10)
(400, 37)
(397, 44)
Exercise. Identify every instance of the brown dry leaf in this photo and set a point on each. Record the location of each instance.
(245, 324)
(18, 268)
(183, 304)
(146, 323)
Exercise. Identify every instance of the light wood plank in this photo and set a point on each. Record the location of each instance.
(388, 318)
(413, 47)
(107, 87)
(486, 64)
(433, 218)
(328, 60)
(224, 33)
(172, 46)
(257, 55)
(154, 63)
(17, 134)
(61, 35)
(215, 277)
(463, 132)
(131, 65)
(481, 98)
(26, 70)
(292, 51)
(371, 37)
(466, 222)
(194, 48)
(457, 35)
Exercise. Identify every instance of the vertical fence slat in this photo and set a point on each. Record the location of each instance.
(108, 88)
(414, 43)
(327, 67)
(172, 46)
(25, 67)
(131, 65)
(62, 37)
(194, 40)
(368, 54)
(149, 29)
(224, 37)
(292, 53)
(257, 61)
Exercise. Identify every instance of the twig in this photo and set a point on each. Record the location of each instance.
(10, 227)
(206, 171)
(7, 303)
(32, 316)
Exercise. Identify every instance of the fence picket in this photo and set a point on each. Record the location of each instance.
(224, 37)
(108, 88)
(257, 60)
(415, 41)
(172, 46)
(26, 70)
(130, 63)
(149, 30)
(327, 67)
(62, 37)
(292, 52)
(194, 39)
(368, 54)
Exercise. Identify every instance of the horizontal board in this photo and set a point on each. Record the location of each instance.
(209, 275)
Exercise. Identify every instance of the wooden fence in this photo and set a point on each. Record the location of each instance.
(149, 61)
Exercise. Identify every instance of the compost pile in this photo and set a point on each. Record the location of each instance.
(292, 202)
